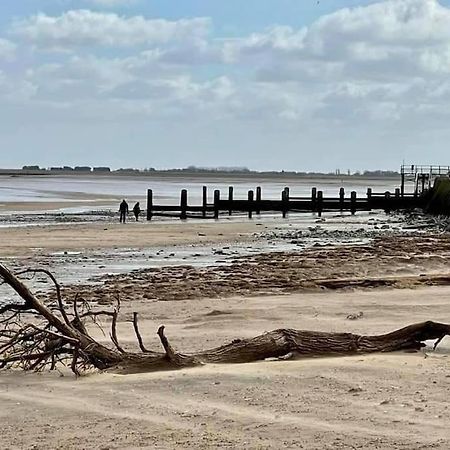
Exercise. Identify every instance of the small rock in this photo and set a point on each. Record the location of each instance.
(355, 389)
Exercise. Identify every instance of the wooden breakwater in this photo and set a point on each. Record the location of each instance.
(255, 203)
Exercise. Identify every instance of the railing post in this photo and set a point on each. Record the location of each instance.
(320, 203)
(149, 204)
(258, 200)
(183, 204)
(250, 204)
(353, 202)
(216, 203)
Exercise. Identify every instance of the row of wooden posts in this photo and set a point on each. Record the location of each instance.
(254, 204)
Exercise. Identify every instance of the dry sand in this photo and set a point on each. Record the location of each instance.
(378, 401)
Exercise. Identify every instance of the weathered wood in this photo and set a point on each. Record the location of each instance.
(319, 203)
(299, 204)
(250, 204)
(314, 199)
(353, 202)
(284, 203)
(258, 200)
(204, 201)
(216, 203)
(277, 343)
(387, 196)
(183, 204)
(230, 199)
(341, 198)
(149, 204)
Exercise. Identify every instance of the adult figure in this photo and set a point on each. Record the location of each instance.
(136, 211)
(123, 209)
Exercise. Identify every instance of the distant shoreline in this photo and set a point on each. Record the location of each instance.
(196, 174)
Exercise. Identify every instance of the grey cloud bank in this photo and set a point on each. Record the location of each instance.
(360, 88)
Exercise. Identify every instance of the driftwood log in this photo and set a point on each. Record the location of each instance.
(37, 336)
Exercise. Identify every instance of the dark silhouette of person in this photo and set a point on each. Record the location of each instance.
(137, 211)
(123, 209)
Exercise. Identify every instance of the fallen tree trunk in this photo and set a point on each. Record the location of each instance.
(60, 336)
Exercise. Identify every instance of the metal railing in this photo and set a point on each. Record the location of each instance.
(423, 176)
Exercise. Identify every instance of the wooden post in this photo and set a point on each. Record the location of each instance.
(341, 198)
(149, 204)
(250, 204)
(258, 200)
(216, 203)
(183, 204)
(288, 193)
(387, 198)
(314, 199)
(353, 202)
(230, 200)
(402, 187)
(320, 203)
(284, 203)
(369, 198)
(204, 201)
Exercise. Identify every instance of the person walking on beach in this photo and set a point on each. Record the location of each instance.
(123, 209)
(137, 211)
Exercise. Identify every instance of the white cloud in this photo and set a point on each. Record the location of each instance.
(383, 62)
(7, 49)
(111, 3)
(84, 28)
(395, 37)
(361, 70)
(361, 62)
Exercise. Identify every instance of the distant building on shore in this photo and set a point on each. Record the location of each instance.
(31, 168)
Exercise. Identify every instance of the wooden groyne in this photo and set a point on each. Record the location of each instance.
(256, 204)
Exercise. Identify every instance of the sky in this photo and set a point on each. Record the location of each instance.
(267, 84)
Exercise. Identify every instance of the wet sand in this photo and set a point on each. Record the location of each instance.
(35, 240)
(386, 261)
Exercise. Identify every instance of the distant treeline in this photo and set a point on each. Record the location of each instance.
(198, 170)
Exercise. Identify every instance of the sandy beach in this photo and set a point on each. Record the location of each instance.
(224, 225)
(212, 282)
(377, 401)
